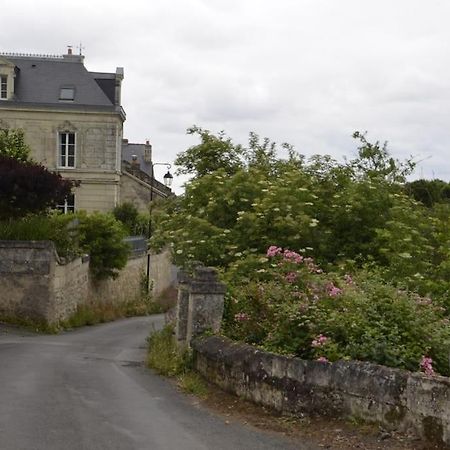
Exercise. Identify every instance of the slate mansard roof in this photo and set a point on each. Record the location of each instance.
(39, 80)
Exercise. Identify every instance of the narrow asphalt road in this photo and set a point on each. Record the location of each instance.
(89, 390)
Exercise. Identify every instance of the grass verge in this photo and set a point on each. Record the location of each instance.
(104, 311)
(166, 358)
(90, 313)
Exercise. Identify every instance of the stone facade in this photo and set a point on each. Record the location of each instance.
(397, 399)
(73, 122)
(135, 191)
(97, 161)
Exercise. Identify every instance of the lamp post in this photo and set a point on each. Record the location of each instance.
(168, 178)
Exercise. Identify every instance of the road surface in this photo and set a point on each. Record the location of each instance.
(89, 390)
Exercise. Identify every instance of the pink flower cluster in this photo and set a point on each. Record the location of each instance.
(291, 256)
(333, 291)
(273, 250)
(319, 341)
(288, 255)
(322, 359)
(312, 266)
(291, 277)
(426, 365)
(241, 317)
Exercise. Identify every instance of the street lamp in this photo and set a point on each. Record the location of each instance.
(168, 178)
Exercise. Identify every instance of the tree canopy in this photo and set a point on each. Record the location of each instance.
(12, 144)
(26, 187)
(350, 213)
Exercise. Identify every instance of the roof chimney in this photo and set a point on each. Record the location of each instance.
(119, 78)
(148, 152)
(70, 57)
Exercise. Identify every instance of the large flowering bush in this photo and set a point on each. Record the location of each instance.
(284, 302)
(353, 214)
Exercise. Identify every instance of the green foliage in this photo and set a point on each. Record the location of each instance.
(101, 236)
(192, 383)
(354, 216)
(287, 304)
(164, 355)
(12, 145)
(429, 192)
(374, 162)
(134, 222)
(214, 152)
(59, 228)
(346, 214)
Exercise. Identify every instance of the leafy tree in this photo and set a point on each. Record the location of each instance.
(134, 222)
(347, 214)
(429, 192)
(213, 153)
(374, 161)
(26, 187)
(12, 144)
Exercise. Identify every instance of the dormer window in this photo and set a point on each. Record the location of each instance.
(3, 87)
(67, 94)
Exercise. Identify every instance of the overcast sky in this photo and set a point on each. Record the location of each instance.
(307, 72)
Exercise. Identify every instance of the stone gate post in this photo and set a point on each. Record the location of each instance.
(182, 307)
(200, 304)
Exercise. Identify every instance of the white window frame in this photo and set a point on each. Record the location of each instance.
(3, 87)
(64, 164)
(69, 205)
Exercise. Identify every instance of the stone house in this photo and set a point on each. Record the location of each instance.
(73, 122)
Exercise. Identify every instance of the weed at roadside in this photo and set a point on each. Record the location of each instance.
(192, 383)
(168, 359)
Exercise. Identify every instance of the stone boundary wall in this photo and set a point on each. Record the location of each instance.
(26, 271)
(126, 287)
(35, 284)
(70, 288)
(163, 274)
(395, 398)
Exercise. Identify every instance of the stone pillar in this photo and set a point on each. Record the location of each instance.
(206, 303)
(182, 307)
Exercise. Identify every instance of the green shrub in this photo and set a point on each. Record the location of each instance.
(135, 222)
(59, 228)
(101, 236)
(287, 304)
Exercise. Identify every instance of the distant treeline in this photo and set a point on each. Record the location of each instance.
(429, 192)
